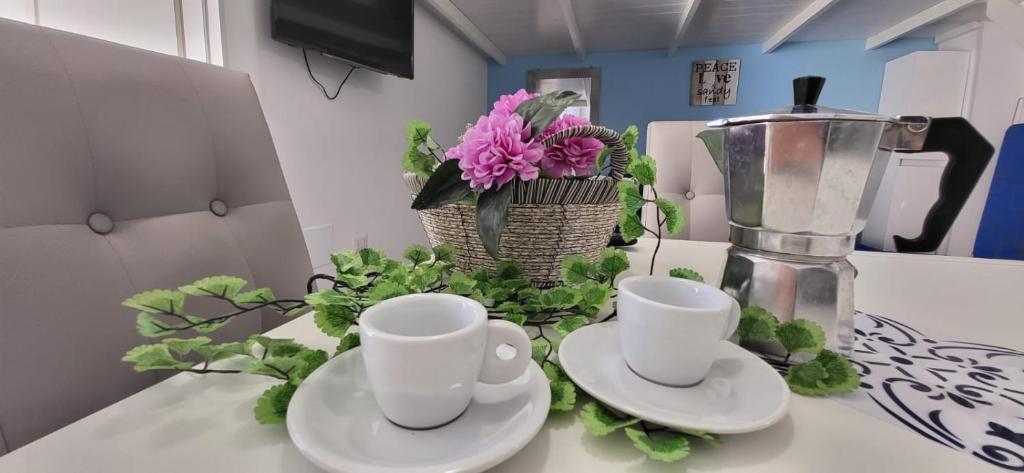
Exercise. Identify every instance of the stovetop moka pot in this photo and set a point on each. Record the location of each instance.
(799, 183)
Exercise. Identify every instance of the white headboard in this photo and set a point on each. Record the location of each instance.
(689, 177)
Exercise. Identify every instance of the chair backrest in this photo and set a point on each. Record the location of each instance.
(688, 176)
(121, 170)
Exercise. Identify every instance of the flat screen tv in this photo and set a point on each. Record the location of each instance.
(372, 34)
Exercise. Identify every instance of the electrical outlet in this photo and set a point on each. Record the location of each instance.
(360, 241)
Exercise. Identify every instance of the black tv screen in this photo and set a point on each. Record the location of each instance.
(374, 34)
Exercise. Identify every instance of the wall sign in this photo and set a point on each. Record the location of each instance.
(714, 82)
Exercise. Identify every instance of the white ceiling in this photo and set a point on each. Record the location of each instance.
(519, 27)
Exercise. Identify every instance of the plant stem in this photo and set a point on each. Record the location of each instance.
(657, 219)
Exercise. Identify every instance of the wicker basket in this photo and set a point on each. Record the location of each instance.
(548, 220)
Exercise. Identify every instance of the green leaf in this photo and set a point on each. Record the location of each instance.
(576, 269)
(418, 162)
(705, 436)
(417, 132)
(329, 297)
(595, 295)
(668, 449)
(444, 253)
(643, 170)
(257, 296)
(335, 320)
(540, 111)
(492, 216)
(673, 215)
(630, 226)
(518, 319)
(444, 187)
(312, 359)
(277, 367)
(417, 254)
(612, 262)
(539, 350)
(563, 396)
(425, 277)
(840, 376)
(224, 350)
(348, 342)
(159, 301)
(149, 326)
(801, 335)
(508, 270)
(808, 379)
(757, 325)
(216, 286)
(560, 297)
(385, 290)
(630, 197)
(373, 259)
(184, 346)
(630, 136)
(462, 284)
(281, 347)
(154, 357)
(347, 262)
(567, 325)
(600, 421)
(272, 405)
(205, 325)
(352, 280)
(686, 273)
(563, 391)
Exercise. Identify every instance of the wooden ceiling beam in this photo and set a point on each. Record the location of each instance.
(802, 19)
(685, 18)
(925, 17)
(450, 13)
(574, 28)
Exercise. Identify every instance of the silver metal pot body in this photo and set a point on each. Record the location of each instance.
(788, 182)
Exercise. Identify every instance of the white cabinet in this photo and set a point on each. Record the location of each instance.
(929, 83)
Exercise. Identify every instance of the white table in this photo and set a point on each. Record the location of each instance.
(192, 423)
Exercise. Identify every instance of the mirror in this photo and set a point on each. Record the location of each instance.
(583, 81)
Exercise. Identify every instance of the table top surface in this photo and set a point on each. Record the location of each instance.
(197, 423)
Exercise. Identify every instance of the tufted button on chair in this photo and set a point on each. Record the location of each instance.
(111, 160)
(688, 176)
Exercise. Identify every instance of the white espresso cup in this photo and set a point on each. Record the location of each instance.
(670, 328)
(424, 353)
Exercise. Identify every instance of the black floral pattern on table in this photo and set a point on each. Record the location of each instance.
(966, 396)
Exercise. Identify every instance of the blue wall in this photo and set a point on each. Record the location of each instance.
(642, 86)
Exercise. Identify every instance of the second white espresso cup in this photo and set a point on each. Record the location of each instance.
(424, 353)
(670, 328)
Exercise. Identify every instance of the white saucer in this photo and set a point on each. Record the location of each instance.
(740, 394)
(334, 421)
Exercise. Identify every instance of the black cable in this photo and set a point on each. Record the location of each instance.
(352, 69)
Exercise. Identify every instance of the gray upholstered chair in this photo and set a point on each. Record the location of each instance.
(121, 170)
(688, 176)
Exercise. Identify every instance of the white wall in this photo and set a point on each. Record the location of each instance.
(342, 158)
(998, 80)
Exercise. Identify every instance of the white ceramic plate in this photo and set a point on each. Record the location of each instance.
(740, 394)
(336, 424)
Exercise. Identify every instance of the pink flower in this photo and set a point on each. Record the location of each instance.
(573, 156)
(507, 104)
(495, 150)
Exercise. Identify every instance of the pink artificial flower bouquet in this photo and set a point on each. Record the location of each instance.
(501, 147)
